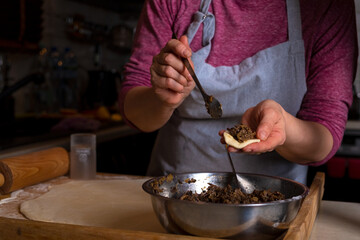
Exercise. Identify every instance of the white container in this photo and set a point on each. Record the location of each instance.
(83, 156)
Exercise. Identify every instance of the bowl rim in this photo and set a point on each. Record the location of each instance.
(302, 196)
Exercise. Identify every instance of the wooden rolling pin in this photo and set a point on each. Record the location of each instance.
(28, 169)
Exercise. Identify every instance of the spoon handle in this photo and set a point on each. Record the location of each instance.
(233, 170)
(192, 73)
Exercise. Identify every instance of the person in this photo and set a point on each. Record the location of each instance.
(285, 68)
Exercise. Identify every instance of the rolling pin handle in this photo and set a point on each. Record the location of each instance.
(25, 170)
(2, 179)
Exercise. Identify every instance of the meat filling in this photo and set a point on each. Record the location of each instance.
(241, 133)
(228, 195)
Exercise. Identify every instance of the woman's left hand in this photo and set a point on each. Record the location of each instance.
(268, 119)
(296, 140)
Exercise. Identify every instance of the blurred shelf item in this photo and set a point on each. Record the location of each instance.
(79, 29)
(121, 38)
(35, 143)
(15, 45)
(122, 7)
(353, 125)
(350, 145)
(21, 24)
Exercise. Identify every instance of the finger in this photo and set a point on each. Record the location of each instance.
(248, 119)
(168, 71)
(169, 59)
(275, 139)
(234, 150)
(260, 147)
(178, 48)
(164, 82)
(221, 133)
(269, 118)
(185, 41)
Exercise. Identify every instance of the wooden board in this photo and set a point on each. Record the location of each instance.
(23, 229)
(300, 228)
(26, 229)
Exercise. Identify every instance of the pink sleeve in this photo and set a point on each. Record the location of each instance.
(331, 72)
(152, 33)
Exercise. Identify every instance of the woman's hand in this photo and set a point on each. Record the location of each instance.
(294, 139)
(267, 118)
(170, 79)
(150, 108)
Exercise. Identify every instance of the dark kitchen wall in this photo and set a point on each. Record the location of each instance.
(356, 106)
(98, 34)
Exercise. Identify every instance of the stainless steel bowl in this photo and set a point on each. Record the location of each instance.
(246, 221)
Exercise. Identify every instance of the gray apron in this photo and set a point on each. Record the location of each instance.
(189, 142)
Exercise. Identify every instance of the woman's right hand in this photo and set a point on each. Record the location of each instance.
(150, 108)
(171, 82)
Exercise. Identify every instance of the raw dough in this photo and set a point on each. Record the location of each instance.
(104, 203)
(234, 143)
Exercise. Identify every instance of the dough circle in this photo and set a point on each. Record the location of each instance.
(103, 203)
(230, 140)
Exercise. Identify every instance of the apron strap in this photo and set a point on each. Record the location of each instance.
(294, 20)
(202, 16)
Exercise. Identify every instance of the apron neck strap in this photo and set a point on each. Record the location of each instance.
(202, 16)
(294, 20)
(204, 6)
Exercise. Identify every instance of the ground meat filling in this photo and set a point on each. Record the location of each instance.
(241, 133)
(228, 195)
(156, 185)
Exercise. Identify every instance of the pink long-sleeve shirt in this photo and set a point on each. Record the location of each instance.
(245, 27)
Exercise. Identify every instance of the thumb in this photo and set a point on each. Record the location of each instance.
(265, 127)
(185, 41)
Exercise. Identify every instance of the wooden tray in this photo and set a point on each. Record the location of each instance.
(26, 229)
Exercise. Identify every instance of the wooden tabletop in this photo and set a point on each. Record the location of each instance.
(335, 220)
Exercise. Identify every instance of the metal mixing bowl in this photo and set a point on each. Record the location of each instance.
(246, 221)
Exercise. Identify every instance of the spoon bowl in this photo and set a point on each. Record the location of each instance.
(213, 107)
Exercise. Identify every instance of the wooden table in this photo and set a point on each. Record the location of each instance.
(335, 220)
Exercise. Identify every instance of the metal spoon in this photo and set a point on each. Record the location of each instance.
(212, 105)
(239, 183)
